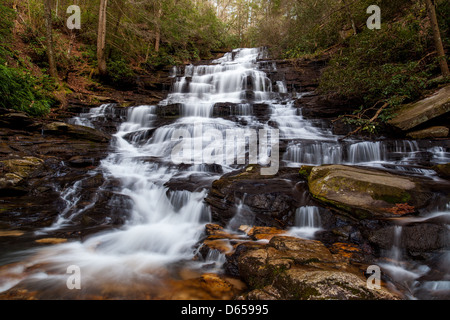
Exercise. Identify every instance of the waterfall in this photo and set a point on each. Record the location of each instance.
(366, 151)
(314, 154)
(163, 224)
(307, 222)
(396, 254)
(416, 278)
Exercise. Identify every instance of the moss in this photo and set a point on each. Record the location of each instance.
(305, 171)
(306, 293)
(309, 261)
(402, 197)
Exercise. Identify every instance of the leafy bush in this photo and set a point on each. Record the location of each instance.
(119, 70)
(23, 92)
(19, 90)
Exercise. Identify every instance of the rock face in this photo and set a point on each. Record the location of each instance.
(16, 171)
(365, 193)
(433, 132)
(422, 238)
(257, 199)
(39, 161)
(413, 115)
(293, 268)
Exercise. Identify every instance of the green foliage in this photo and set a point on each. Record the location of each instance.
(119, 70)
(6, 22)
(381, 65)
(23, 92)
(19, 89)
(394, 65)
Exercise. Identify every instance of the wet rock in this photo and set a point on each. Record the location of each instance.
(169, 111)
(415, 238)
(193, 183)
(51, 240)
(206, 287)
(316, 106)
(13, 119)
(266, 201)
(81, 162)
(366, 193)
(324, 284)
(75, 131)
(263, 233)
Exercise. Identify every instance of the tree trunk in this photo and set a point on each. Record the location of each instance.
(101, 39)
(158, 28)
(49, 36)
(437, 38)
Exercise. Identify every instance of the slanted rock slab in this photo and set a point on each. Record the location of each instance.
(412, 115)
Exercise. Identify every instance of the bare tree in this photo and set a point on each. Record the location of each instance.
(437, 38)
(49, 37)
(101, 39)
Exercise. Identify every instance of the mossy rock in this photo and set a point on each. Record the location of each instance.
(363, 192)
(21, 168)
(443, 170)
(305, 171)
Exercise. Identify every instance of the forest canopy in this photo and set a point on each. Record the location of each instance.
(395, 62)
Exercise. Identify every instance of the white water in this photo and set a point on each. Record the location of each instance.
(307, 222)
(162, 227)
(407, 274)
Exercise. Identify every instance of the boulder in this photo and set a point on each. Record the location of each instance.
(366, 193)
(294, 268)
(413, 115)
(169, 111)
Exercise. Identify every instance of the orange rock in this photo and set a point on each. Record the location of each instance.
(51, 240)
(345, 250)
(264, 233)
(221, 245)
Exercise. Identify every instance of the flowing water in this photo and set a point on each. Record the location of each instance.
(307, 222)
(164, 225)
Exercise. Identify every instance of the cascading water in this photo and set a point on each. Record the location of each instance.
(163, 225)
(307, 222)
(417, 279)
